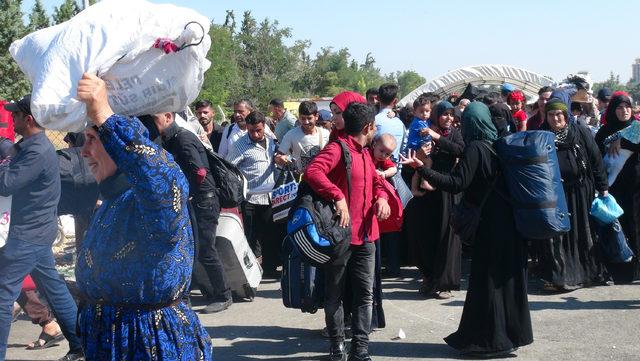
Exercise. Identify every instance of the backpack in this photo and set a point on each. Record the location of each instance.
(313, 225)
(530, 166)
(231, 184)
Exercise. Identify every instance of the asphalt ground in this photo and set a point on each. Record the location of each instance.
(600, 323)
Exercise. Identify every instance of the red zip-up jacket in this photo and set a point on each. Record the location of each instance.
(327, 176)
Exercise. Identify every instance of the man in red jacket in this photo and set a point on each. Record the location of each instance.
(367, 202)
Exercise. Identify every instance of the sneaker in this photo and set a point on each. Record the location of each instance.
(73, 356)
(217, 306)
(444, 295)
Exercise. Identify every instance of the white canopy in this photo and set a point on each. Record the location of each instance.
(482, 76)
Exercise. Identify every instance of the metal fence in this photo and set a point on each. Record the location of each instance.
(57, 138)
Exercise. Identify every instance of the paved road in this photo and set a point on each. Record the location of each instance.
(600, 323)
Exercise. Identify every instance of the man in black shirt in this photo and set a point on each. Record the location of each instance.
(191, 156)
(205, 114)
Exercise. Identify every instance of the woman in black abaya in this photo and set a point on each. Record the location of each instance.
(626, 187)
(568, 260)
(438, 249)
(495, 319)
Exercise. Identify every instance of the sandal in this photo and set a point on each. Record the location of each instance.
(49, 341)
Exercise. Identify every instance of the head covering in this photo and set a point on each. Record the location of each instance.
(324, 115)
(477, 123)
(515, 96)
(507, 88)
(604, 94)
(502, 119)
(617, 98)
(557, 104)
(345, 98)
(563, 95)
(440, 109)
(22, 105)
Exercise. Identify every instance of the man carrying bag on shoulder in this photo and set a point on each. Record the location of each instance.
(360, 208)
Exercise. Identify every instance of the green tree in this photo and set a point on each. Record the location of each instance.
(222, 80)
(66, 10)
(268, 67)
(407, 81)
(13, 83)
(38, 18)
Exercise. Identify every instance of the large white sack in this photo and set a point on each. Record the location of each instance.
(114, 39)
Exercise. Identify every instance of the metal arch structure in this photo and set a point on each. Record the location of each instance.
(482, 76)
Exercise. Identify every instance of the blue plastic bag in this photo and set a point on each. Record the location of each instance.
(606, 209)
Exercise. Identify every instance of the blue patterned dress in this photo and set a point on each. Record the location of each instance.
(135, 263)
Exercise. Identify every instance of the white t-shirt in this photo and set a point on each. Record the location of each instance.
(303, 147)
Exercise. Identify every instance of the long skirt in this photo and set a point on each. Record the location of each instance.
(171, 333)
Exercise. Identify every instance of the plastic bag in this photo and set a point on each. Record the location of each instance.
(614, 164)
(283, 195)
(606, 209)
(115, 39)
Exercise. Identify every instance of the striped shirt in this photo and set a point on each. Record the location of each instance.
(256, 163)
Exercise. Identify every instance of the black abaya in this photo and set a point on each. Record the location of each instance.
(438, 249)
(569, 260)
(496, 314)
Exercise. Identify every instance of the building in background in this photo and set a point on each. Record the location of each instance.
(635, 71)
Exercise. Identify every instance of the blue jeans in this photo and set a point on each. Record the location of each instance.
(18, 259)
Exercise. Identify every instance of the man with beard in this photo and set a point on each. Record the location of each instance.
(238, 127)
(205, 115)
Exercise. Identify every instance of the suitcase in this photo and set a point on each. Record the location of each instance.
(302, 284)
(240, 265)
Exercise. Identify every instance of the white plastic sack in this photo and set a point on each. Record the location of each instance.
(5, 219)
(114, 39)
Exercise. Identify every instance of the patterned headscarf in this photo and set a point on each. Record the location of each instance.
(477, 123)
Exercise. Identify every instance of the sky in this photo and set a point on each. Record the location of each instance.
(550, 37)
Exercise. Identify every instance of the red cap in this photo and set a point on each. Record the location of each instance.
(515, 96)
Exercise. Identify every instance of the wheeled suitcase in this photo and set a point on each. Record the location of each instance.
(302, 284)
(240, 265)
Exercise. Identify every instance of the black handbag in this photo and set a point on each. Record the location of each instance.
(465, 217)
(613, 243)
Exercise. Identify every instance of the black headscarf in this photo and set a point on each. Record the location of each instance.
(502, 119)
(613, 124)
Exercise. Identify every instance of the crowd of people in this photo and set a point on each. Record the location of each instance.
(151, 237)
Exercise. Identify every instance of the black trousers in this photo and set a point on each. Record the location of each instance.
(208, 270)
(264, 236)
(358, 265)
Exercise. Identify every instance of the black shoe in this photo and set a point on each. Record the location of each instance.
(73, 356)
(490, 354)
(337, 352)
(363, 356)
(217, 306)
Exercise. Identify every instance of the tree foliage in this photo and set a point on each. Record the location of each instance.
(66, 10)
(38, 18)
(13, 83)
(259, 60)
(613, 83)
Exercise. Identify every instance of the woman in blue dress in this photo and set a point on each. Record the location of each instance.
(135, 263)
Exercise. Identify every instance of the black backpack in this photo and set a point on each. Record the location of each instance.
(231, 184)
